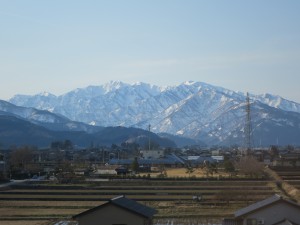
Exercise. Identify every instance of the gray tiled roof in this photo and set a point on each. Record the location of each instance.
(261, 204)
(126, 204)
(286, 221)
(133, 206)
(257, 205)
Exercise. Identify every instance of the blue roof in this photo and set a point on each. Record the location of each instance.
(201, 159)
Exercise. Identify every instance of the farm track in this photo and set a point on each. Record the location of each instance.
(291, 175)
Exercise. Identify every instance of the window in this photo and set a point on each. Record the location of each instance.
(252, 222)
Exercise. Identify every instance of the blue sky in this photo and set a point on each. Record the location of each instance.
(60, 45)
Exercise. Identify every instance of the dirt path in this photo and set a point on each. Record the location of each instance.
(288, 189)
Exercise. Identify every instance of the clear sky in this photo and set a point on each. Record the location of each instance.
(60, 45)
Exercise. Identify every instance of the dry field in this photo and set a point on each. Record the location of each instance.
(182, 172)
(22, 222)
(42, 204)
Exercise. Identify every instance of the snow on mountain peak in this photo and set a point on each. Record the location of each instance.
(113, 85)
(46, 94)
(278, 102)
(192, 109)
(189, 82)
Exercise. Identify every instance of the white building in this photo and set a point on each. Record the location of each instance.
(152, 154)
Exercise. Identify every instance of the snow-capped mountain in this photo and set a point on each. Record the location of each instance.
(196, 110)
(44, 118)
(278, 102)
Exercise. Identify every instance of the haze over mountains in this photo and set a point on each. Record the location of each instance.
(194, 110)
(29, 126)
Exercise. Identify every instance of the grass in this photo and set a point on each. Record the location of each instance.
(287, 188)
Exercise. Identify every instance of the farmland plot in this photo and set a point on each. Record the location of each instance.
(173, 199)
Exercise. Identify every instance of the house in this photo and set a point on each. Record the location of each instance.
(106, 170)
(119, 210)
(271, 211)
(287, 160)
(121, 170)
(169, 160)
(199, 160)
(152, 154)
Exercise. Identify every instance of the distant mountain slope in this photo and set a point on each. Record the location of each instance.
(17, 131)
(45, 118)
(182, 141)
(270, 126)
(196, 110)
(132, 135)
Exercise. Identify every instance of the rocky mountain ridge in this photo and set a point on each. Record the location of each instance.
(196, 110)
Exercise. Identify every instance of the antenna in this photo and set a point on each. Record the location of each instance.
(248, 127)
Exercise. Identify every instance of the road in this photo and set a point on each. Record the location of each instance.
(12, 182)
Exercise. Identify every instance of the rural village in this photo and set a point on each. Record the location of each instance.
(191, 185)
(137, 112)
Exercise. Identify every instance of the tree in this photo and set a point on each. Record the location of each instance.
(55, 145)
(67, 144)
(274, 152)
(210, 168)
(248, 165)
(163, 171)
(114, 147)
(229, 167)
(20, 160)
(2, 172)
(65, 172)
(189, 169)
(135, 165)
(290, 148)
(213, 167)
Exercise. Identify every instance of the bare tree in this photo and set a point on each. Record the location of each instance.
(210, 168)
(21, 157)
(20, 162)
(189, 170)
(249, 165)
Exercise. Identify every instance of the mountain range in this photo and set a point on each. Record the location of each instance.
(192, 110)
(29, 126)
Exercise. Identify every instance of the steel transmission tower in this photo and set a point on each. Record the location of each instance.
(248, 127)
(149, 127)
